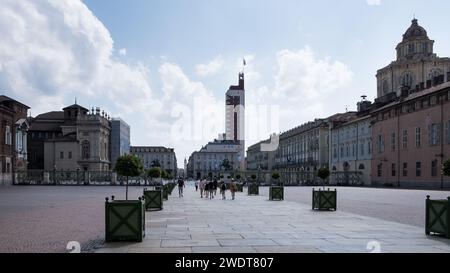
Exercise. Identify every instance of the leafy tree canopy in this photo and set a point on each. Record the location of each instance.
(129, 165)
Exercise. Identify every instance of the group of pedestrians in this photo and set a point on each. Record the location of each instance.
(208, 188)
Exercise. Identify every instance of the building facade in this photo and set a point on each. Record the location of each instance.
(412, 140)
(411, 133)
(215, 158)
(70, 140)
(161, 157)
(351, 147)
(120, 140)
(416, 67)
(306, 148)
(13, 138)
(257, 159)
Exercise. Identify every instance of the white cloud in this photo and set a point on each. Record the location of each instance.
(54, 49)
(211, 68)
(123, 52)
(301, 75)
(373, 2)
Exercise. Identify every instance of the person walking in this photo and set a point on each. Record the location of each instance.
(202, 187)
(211, 189)
(206, 189)
(233, 189)
(223, 189)
(181, 185)
(196, 185)
(216, 184)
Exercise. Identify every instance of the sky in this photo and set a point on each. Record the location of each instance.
(164, 66)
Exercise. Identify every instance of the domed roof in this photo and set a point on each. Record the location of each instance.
(415, 31)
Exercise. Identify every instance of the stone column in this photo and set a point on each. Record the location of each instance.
(113, 179)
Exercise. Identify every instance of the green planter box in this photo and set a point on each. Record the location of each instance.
(124, 221)
(324, 200)
(253, 189)
(438, 217)
(240, 187)
(276, 193)
(153, 199)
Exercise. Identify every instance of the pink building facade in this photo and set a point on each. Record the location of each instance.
(411, 140)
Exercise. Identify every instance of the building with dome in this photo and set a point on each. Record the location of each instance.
(417, 66)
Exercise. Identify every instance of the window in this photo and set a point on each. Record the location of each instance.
(418, 137)
(407, 80)
(434, 168)
(70, 155)
(369, 147)
(418, 169)
(85, 150)
(393, 141)
(405, 169)
(394, 169)
(405, 139)
(380, 170)
(8, 135)
(362, 148)
(435, 134)
(380, 144)
(61, 155)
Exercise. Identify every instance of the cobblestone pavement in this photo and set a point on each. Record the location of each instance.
(45, 219)
(402, 206)
(254, 224)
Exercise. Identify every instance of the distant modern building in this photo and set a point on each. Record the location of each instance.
(161, 157)
(13, 132)
(351, 144)
(258, 159)
(69, 140)
(235, 117)
(120, 140)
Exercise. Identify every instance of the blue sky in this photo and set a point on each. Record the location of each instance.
(142, 60)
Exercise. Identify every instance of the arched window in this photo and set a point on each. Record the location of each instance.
(362, 167)
(407, 79)
(85, 150)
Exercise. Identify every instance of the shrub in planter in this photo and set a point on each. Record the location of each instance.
(124, 220)
(154, 173)
(324, 199)
(165, 190)
(153, 199)
(240, 187)
(253, 189)
(437, 216)
(276, 192)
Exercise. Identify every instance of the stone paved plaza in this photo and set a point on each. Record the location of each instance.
(44, 219)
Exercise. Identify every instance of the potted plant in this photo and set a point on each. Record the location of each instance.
(125, 219)
(276, 192)
(253, 187)
(437, 212)
(154, 198)
(324, 199)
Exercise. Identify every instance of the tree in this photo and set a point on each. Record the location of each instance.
(154, 172)
(129, 165)
(323, 173)
(446, 168)
(276, 176)
(253, 177)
